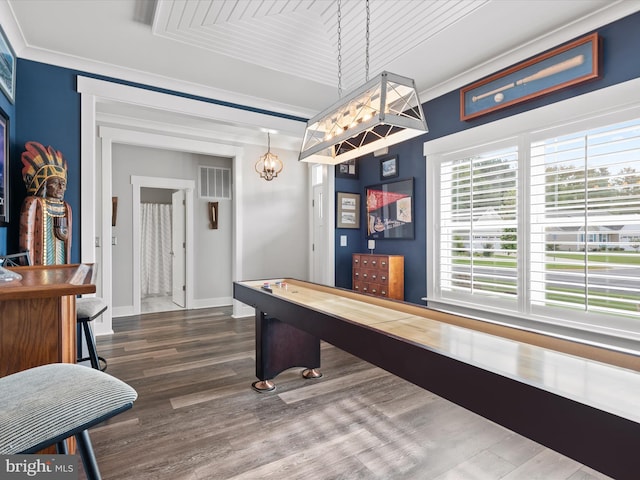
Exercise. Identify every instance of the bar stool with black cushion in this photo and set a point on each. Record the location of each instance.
(45, 405)
(87, 309)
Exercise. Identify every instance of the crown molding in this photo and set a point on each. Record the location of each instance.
(158, 81)
(604, 16)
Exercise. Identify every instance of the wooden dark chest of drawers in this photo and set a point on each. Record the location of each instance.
(379, 275)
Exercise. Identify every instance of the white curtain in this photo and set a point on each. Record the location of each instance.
(155, 246)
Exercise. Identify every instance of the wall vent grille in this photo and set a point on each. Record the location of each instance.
(215, 183)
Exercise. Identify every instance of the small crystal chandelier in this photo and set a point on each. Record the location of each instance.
(269, 165)
(384, 111)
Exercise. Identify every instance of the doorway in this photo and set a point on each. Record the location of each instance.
(180, 259)
(163, 250)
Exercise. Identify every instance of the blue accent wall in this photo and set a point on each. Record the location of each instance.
(620, 42)
(48, 112)
(411, 164)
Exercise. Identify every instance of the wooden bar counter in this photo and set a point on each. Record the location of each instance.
(38, 315)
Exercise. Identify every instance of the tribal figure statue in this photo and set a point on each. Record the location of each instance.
(45, 218)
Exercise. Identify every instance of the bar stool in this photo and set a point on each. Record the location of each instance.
(45, 405)
(87, 309)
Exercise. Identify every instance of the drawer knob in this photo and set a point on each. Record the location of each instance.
(374, 276)
(356, 261)
(384, 263)
(357, 287)
(365, 262)
(364, 289)
(365, 275)
(373, 291)
(384, 278)
(373, 262)
(383, 292)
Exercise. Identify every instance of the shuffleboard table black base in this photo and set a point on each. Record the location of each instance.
(289, 336)
(280, 346)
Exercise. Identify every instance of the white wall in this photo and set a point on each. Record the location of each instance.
(213, 248)
(275, 219)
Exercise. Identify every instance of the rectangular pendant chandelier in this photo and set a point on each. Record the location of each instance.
(384, 111)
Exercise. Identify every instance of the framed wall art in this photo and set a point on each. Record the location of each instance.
(7, 67)
(4, 168)
(348, 169)
(390, 210)
(348, 210)
(388, 168)
(559, 68)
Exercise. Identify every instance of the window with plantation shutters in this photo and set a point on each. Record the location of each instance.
(543, 227)
(478, 225)
(585, 220)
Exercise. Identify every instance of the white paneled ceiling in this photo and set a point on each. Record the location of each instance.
(281, 55)
(300, 38)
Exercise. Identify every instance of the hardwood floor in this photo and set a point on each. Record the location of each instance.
(198, 418)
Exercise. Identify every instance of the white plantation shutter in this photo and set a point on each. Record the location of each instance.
(478, 224)
(585, 223)
(546, 230)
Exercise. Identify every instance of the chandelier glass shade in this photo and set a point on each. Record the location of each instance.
(384, 111)
(269, 165)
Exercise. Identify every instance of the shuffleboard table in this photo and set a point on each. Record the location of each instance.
(580, 400)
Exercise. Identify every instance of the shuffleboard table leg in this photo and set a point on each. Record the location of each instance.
(263, 386)
(280, 346)
(311, 373)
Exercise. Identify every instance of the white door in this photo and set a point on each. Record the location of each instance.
(178, 247)
(317, 253)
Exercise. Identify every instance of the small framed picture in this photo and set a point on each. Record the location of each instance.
(348, 210)
(348, 169)
(389, 168)
(7, 67)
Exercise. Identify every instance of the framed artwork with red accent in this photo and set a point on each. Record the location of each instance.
(390, 210)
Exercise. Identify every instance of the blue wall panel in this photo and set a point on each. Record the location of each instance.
(48, 112)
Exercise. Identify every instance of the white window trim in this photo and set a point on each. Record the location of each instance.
(604, 106)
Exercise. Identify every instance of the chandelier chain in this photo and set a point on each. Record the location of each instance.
(340, 48)
(366, 62)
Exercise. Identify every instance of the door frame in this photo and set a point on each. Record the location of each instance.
(95, 154)
(138, 182)
(178, 247)
(102, 222)
(327, 275)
